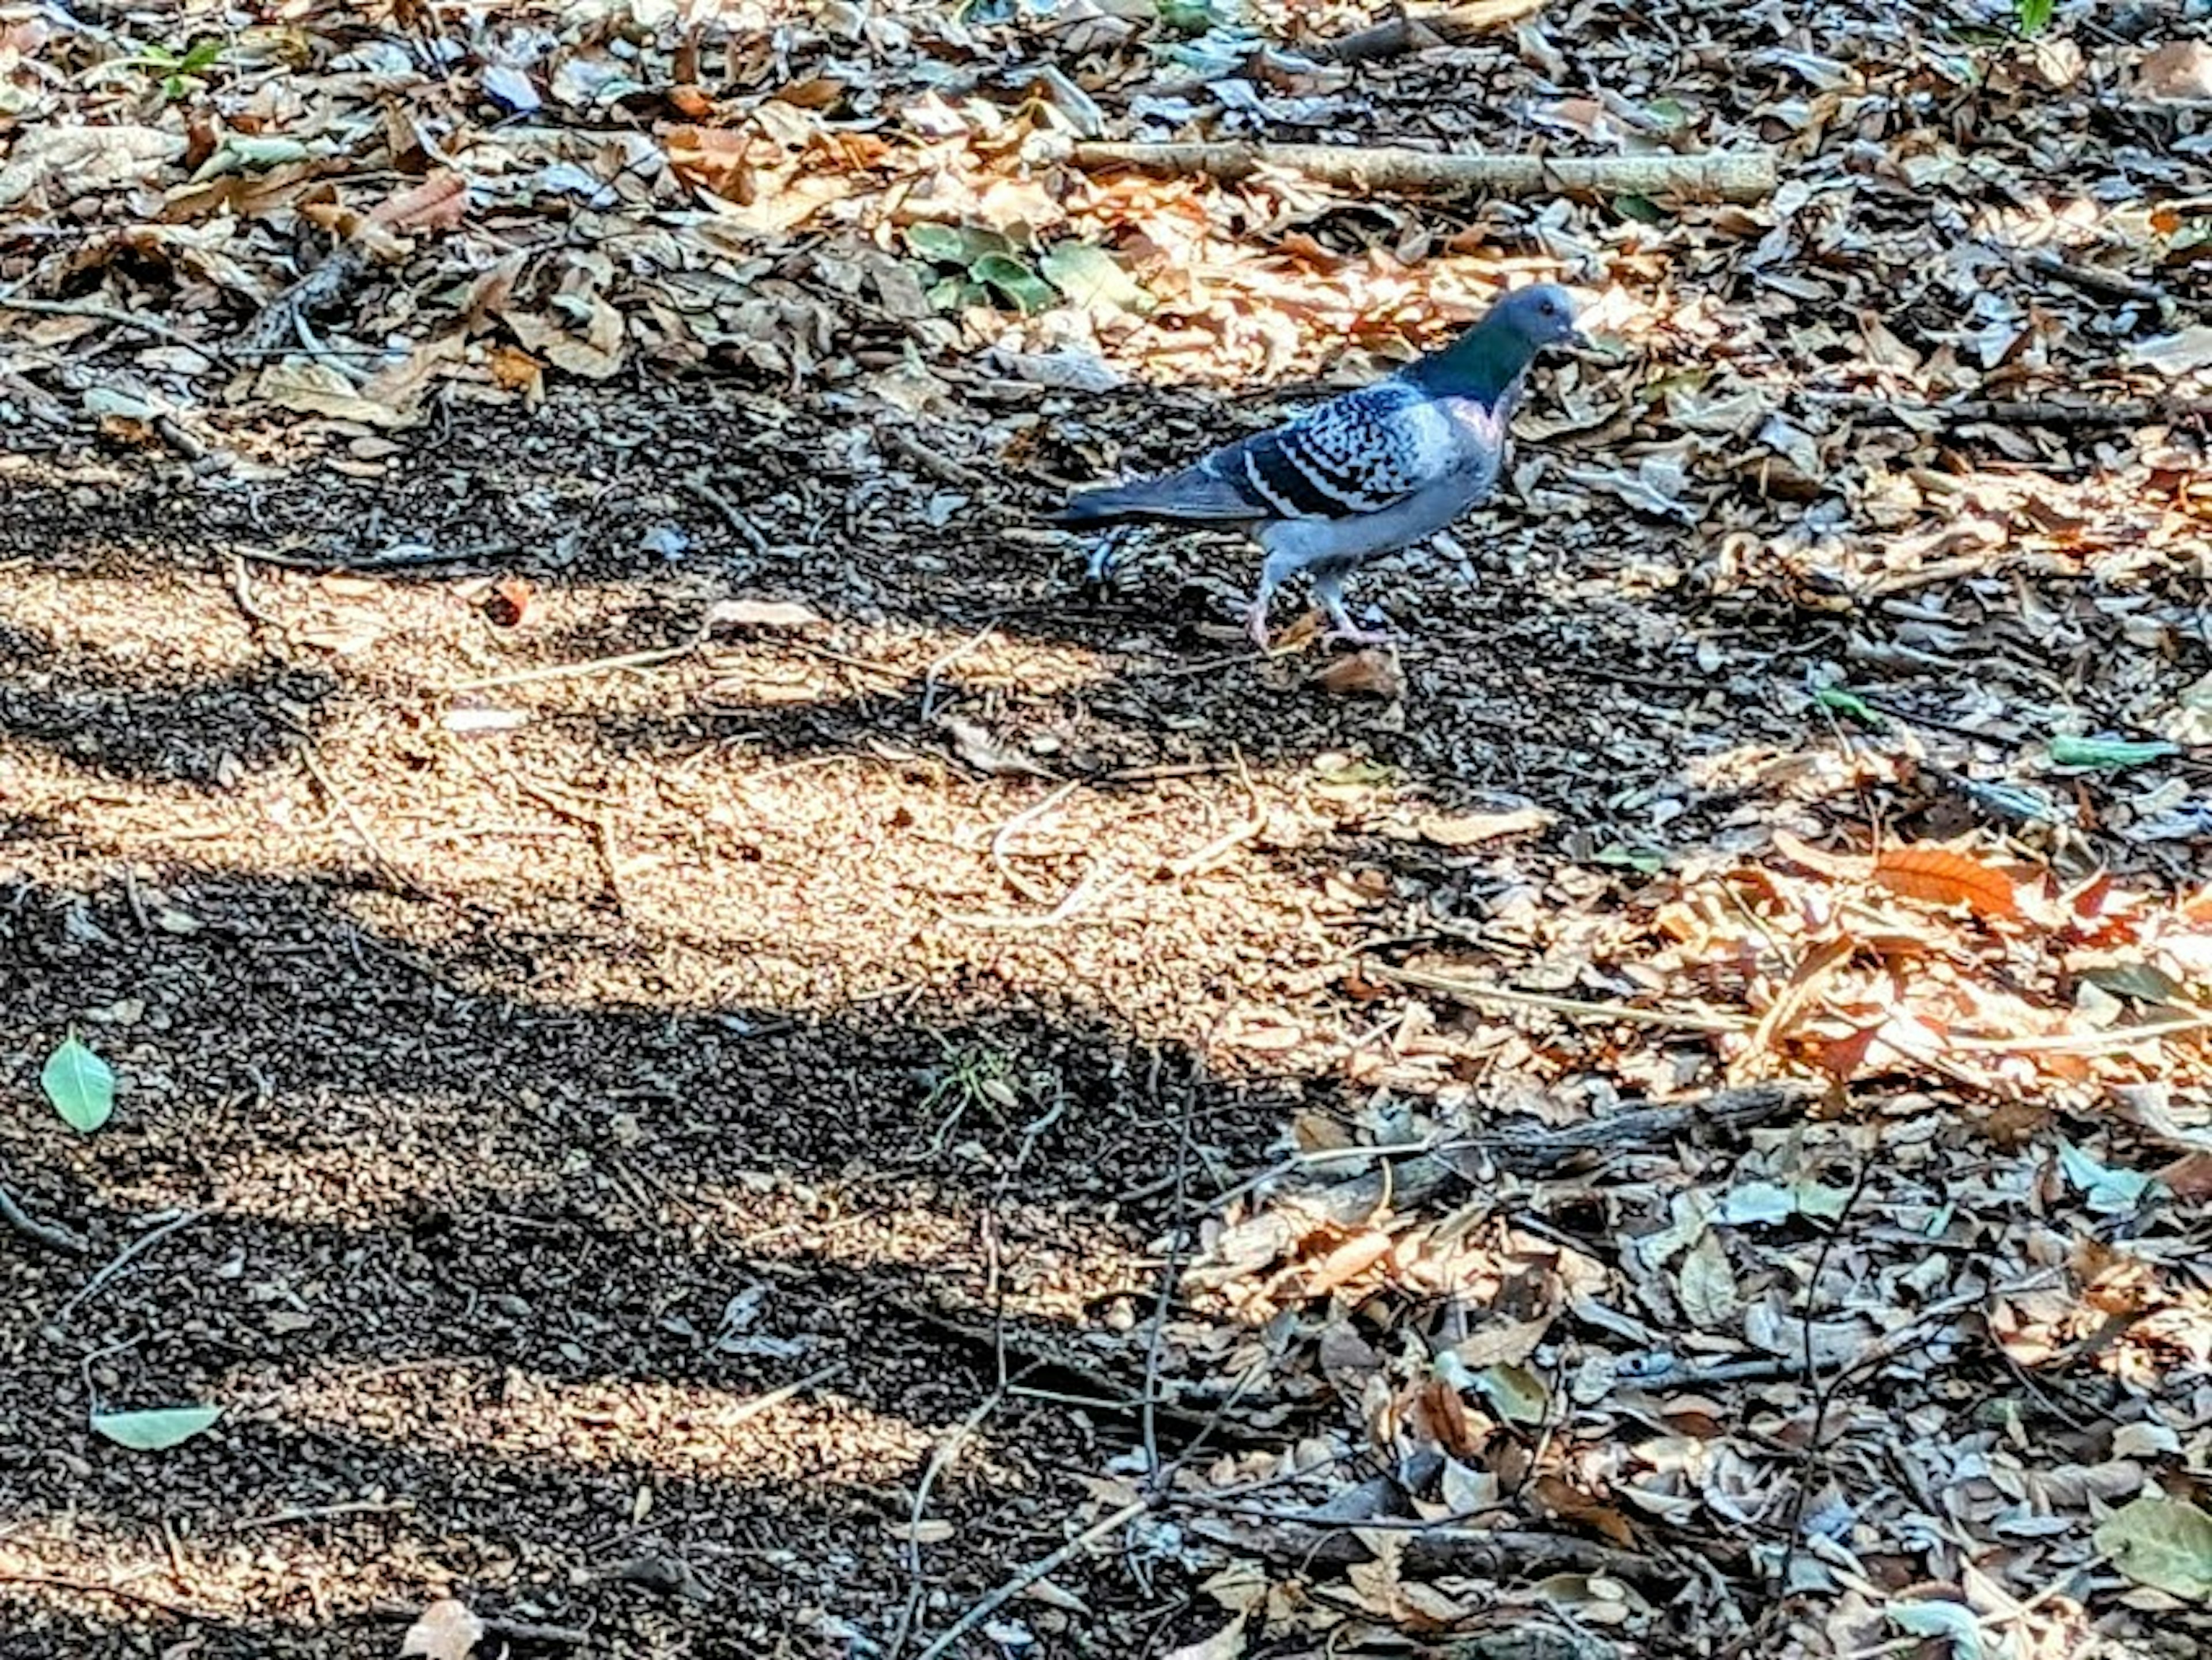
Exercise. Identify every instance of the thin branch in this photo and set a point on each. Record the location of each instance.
(137, 1248)
(108, 314)
(1421, 31)
(1729, 176)
(51, 1235)
(1106, 1527)
(1467, 991)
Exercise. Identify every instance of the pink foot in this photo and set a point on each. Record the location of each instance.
(1255, 624)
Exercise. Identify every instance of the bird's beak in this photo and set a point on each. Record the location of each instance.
(1580, 341)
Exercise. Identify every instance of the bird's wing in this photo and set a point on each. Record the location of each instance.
(1353, 455)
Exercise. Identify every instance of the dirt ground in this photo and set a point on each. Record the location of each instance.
(696, 1131)
(541, 1098)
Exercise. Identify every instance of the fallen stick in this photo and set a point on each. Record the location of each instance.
(1729, 176)
(51, 1235)
(2023, 412)
(1418, 31)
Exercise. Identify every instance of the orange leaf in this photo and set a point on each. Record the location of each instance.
(1347, 1262)
(713, 159)
(510, 603)
(1943, 877)
(438, 202)
(1843, 1058)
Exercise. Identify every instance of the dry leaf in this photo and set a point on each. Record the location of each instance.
(1227, 1643)
(762, 614)
(1943, 875)
(510, 603)
(1347, 1262)
(1370, 673)
(979, 750)
(441, 202)
(2179, 71)
(1466, 829)
(446, 1630)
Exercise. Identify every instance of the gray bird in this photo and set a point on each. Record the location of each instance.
(1366, 473)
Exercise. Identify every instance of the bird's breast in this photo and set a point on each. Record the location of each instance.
(1479, 427)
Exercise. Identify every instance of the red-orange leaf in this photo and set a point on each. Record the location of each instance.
(1943, 877)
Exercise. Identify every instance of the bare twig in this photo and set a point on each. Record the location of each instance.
(324, 1513)
(940, 1458)
(1744, 176)
(747, 531)
(137, 1248)
(1084, 894)
(392, 871)
(2094, 279)
(1028, 815)
(1575, 1007)
(94, 1588)
(51, 1235)
(1421, 30)
(595, 666)
(2020, 412)
(107, 314)
(1104, 1527)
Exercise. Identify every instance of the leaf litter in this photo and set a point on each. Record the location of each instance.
(1768, 1218)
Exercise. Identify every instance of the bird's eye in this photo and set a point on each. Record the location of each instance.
(1548, 309)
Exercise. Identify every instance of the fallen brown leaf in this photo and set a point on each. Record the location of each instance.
(1370, 673)
(445, 1631)
(1944, 876)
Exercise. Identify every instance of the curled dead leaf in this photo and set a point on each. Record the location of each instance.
(762, 614)
(447, 1630)
(510, 603)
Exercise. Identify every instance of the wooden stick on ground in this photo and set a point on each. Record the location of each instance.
(1729, 176)
(51, 1235)
(1418, 31)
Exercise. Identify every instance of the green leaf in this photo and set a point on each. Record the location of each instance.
(2161, 1543)
(204, 55)
(956, 294)
(1091, 276)
(1517, 1393)
(151, 1431)
(2106, 1191)
(1756, 1202)
(1192, 16)
(1647, 861)
(1848, 703)
(947, 244)
(2034, 15)
(2112, 753)
(80, 1086)
(1707, 1285)
(1955, 1620)
(1015, 280)
(1641, 209)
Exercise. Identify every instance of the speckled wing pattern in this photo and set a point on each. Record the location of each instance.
(1353, 455)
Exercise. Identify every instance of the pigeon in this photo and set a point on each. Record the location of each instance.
(1366, 473)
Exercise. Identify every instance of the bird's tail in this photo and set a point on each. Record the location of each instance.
(1193, 494)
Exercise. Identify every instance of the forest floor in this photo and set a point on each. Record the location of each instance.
(718, 1054)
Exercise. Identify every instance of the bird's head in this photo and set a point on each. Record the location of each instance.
(1540, 316)
(1488, 361)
